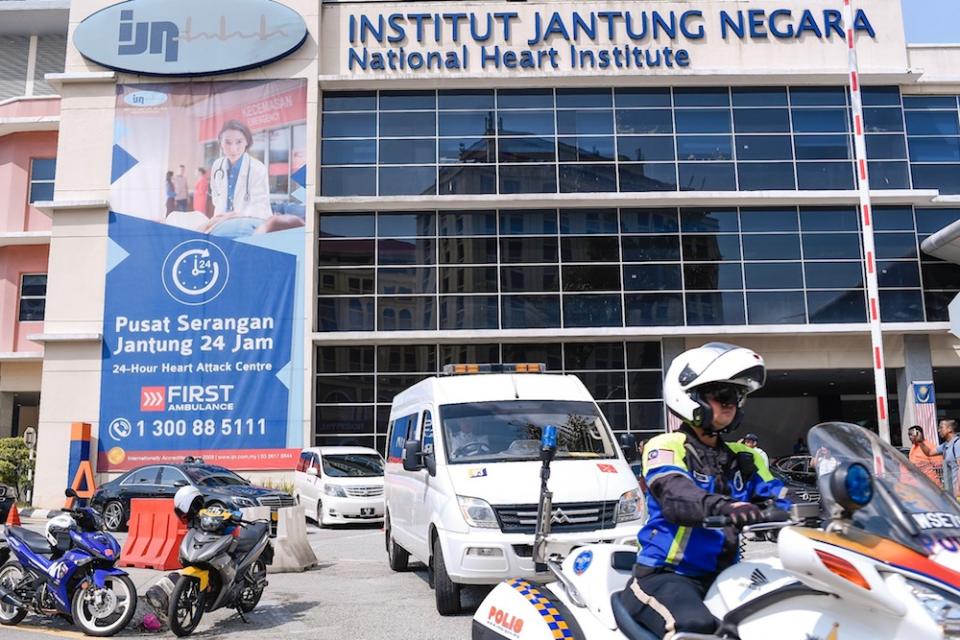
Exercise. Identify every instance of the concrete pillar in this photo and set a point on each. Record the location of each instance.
(6, 414)
(918, 368)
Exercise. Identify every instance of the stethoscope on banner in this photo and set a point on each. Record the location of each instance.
(221, 174)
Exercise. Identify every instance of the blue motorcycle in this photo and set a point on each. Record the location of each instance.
(70, 572)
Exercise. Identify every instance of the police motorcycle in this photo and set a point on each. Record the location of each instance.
(885, 565)
(224, 562)
(68, 572)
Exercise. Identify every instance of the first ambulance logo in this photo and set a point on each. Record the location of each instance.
(153, 398)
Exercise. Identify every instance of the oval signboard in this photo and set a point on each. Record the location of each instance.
(190, 37)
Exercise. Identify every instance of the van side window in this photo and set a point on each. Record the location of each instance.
(401, 430)
(314, 462)
(304, 461)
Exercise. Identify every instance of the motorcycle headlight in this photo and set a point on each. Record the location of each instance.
(478, 513)
(334, 490)
(629, 507)
(943, 610)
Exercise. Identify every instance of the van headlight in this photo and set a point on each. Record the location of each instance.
(478, 513)
(334, 490)
(943, 610)
(628, 508)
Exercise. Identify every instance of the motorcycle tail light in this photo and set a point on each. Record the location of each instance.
(843, 568)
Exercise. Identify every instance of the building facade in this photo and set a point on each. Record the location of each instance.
(597, 186)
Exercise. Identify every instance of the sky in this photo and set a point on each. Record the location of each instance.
(931, 21)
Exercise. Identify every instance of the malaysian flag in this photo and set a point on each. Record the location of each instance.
(925, 409)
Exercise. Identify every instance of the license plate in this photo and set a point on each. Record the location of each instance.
(366, 512)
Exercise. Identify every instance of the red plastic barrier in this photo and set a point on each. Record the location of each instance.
(155, 536)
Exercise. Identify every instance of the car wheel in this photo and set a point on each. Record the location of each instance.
(445, 590)
(397, 556)
(113, 516)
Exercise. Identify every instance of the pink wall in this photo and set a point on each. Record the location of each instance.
(15, 261)
(30, 107)
(16, 151)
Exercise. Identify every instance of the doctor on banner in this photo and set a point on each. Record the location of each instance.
(239, 183)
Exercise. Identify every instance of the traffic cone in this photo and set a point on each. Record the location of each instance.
(13, 517)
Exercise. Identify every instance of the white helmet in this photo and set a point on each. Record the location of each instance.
(57, 526)
(187, 502)
(713, 366)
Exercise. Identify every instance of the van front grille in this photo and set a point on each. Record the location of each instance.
(572, 516)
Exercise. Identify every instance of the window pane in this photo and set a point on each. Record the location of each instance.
(763, 176)
(588, 221)
(650, 248)
(714, 308)
(589, 249)
(881, 96)
(524, 98)
(782, 307)
(646, 121)
(646, 416)
(705, 97)
(349, 125)
(406, 358)
(768, 220)
(825, 175)
(937, 303)
(707, 176)
(533, 279)
(878, 120)
(707, 221)
(468, 280)
(652, 277)
(823, 147)
(549, 354)
(654, 309)
(945, 177)
(932, 123)
(467, 180)
(468, 312)
(532, 249)
(775, 275)
(701, 248)
(712, 277)
(420, 223)
(389, 386)
(344, 389)
(406, 251)
(345, 360)
(901, 306)
(893, 218)
(346, 253)
(606, 385)
(591, 278)
(422, 151)
(899, 274)
(340, 419)
(345, 281)
(759, 96)
(350, 101)
(648, 177)
(704, 147)
(468, 250)
(466, 123)
(407, 281)
(466, 99)
(583, 98)
(407, 314)
(831, 246)
(407, 100)
(889, 175)
(836, 306)
(525, 123)
(941, 275)
(586, 149)
(648, 220)
(643, 97)
(349, 152)
(41, 192)
(32, 309)
(345, 314)
(932, 220)
(930, 102)
(408, 181)
(529, 312)
(592, 311)
(834, 275)
(815, 96)
(588, 178)
(530, 179)
(645, 148)
(528, 222)
(347, 225)
(820, 121)
(881, 147)
(408, 124)
(467, 150)
(703, 121)
(467, 353)
(585, 122)
(33, 285)
(645, 385)
(764, 148)
(761, 120)
(527, 149)
(829, 219)
(579, 356)
(643, 355)
(771, 247)
(468, 223)
(896, 245)
(939, 149)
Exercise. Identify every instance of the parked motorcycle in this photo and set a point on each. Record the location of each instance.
(69, 572)
(224, 562)
(887, 565)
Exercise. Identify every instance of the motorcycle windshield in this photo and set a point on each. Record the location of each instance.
(907, 506)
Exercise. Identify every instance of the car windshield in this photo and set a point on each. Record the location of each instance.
(510, 430)
(214, 477)
(353, 465)
(907, 506)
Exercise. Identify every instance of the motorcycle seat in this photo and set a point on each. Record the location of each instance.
(34, 541)
(250, 535)
(629, 627)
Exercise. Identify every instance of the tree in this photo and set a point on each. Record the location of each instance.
(16, 465)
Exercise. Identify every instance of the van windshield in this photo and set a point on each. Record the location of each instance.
(355, 465)
(509, 431)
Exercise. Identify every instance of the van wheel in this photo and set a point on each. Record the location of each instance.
(397, 556)
(445, 590)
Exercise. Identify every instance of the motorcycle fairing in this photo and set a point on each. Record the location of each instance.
(200, 574)
(100, 576)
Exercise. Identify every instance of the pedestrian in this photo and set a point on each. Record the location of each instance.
(171, 193)
(182, 195)
(931, 466)
(201, 193)
(752, 440)
(949, 448)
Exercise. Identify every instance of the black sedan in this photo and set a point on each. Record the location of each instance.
(218, 485)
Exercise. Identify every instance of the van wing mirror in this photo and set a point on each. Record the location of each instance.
(312, 471)
(628, 444)
(412, 456)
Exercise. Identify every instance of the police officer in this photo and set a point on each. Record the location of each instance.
(692, 474)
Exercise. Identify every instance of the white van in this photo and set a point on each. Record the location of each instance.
(339, 485)
(463, 474)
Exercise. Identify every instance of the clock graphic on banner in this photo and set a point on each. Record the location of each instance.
(195, 272)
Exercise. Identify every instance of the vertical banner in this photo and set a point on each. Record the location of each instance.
(203, 317)
(925, 409)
